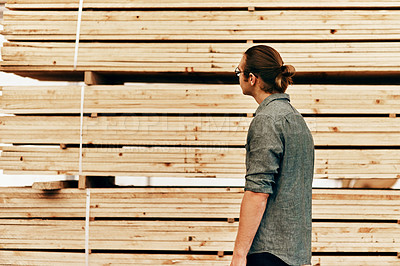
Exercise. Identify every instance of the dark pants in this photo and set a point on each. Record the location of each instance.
(264, 259)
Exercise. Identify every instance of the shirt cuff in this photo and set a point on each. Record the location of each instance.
(259, 183)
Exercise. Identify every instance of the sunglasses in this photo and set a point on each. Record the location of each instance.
(237, 71)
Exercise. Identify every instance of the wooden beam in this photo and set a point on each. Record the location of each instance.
(85, 181)
(142, 235)
(96, 181)
(45, 258)
(93, 78)
(55, 185)
(194, 98)
(220, 162)
(189, 203)
(196, 57)
(205, 4)
(187, 130)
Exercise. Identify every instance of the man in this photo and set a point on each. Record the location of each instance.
(275, 215)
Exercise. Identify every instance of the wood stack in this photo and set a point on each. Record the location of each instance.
(202, 25)
(2, 8)
(343, 221)
(209, 4)
(205, 99)
(136, 36)
(190, 130)
(214, 131)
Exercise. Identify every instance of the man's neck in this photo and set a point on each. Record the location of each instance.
(260, 96)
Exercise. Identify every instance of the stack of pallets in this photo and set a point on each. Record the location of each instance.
(100, 130)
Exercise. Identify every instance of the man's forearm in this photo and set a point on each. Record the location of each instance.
(251, 212)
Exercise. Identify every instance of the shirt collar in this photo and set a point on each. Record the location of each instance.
(272, 97)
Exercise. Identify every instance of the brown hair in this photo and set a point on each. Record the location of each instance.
(265, 62)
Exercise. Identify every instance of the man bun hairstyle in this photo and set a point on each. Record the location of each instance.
(284, 79)
(265, 62)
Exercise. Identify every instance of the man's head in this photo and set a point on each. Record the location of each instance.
(262, 66)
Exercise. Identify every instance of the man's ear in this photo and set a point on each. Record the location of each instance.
(252, 79)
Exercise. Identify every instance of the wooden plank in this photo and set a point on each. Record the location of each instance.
(96, 181)
(355, 260)
(54, 185)
(2, 9)
(85, 181)
(205, 203)
(45, 4)
(43, 258)
(194, 98)
(185, 235)
(149, 15)
(187, 162)
(92, 78)
(196, 57)
(187, 130)
(208, 25)
(40, 258)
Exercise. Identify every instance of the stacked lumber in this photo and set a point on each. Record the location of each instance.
(203, 25)
(195, 98)
(343, 221)
(184, 235)
(73, 258)
(187, 130)
(166, 4)
(166, 202)
(194, 143)
(218, 162)
(2, 8)
(190, 130)
(190, 37)
(155, 39)
(21, 57)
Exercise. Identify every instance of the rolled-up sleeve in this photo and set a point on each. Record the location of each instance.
(264, 150)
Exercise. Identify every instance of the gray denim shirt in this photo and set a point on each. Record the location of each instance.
(280, 162)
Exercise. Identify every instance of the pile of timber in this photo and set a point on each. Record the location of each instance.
(265, 25)
(189, 226)
(21, 57)
(187, 130)
(190, 130)
(190, 37)
(217, 162)
(2, 8)
(195, 98)
(147, 134)
(193, 4)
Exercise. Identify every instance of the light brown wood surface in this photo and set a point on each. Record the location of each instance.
(36, 234)
(187, 130)
(187, 162)
(196, 57)
(349, 217)
(195, 98)
(185, 235)
(183, 202)
(204, 25)
(45, 4)
(43, 258)
(53, 185)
